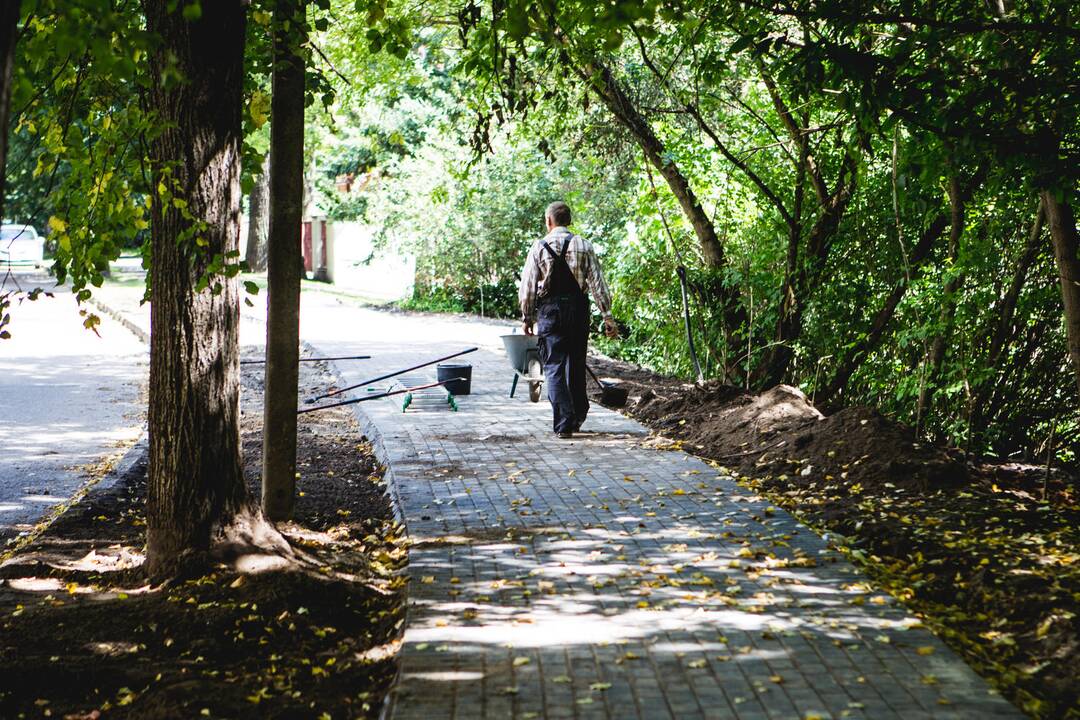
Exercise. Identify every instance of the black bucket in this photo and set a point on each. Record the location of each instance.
(459, 376)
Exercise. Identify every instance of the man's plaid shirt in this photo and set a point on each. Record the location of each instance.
(582, 261)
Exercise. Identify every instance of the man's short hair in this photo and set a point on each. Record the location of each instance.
(559, 213)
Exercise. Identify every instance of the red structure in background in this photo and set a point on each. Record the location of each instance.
(305, 244)
(313, 246)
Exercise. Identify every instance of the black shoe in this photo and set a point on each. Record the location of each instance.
(564, 435)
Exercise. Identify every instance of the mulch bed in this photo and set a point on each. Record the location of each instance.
(988, 554)
(83, 636)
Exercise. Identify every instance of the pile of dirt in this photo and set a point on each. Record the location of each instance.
(779, 432)
(858, 445)
(82, 634)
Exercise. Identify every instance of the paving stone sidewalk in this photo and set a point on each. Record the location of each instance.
(609, 577)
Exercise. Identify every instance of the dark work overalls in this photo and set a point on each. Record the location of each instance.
(562, 326)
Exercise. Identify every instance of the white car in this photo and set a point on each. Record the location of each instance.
(21, 245)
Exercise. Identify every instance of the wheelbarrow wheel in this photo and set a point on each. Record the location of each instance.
(534, 385)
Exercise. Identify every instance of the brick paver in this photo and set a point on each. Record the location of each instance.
(606, 578)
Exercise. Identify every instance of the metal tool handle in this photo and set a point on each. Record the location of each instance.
(390, 375)
(380, 395)
(314, 359)
(686, 319)
(595, 379)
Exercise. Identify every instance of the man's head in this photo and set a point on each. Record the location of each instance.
(557, 215)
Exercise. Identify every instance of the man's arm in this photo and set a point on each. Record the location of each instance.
(601, 293)
(530, 273)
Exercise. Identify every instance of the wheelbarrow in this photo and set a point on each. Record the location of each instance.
(524, 357)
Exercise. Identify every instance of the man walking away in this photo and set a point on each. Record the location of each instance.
(552, 296)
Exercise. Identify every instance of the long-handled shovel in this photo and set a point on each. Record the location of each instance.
(681, 270)
(609, 394)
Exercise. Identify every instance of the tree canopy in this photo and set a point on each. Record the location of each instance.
(872, 201)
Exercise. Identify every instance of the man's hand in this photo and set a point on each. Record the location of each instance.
(610, 328)
(527, 326)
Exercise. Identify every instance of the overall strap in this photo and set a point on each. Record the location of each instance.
(565, 247)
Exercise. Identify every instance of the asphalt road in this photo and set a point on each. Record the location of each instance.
(68, 400)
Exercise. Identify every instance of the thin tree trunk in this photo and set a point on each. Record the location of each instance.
(196, 485)
(623, 109)
(9, 23)
(935, 357)
(603, 81)
(1008, 303)
(807, 276)
(1066, 243)
(259, 220)
(284, 262)
(776, 362)
(1004, 331)
(869, 342)
(919, 255)
(799, 287)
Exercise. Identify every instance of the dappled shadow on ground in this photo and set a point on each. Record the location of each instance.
(734, 609)
(58, 414)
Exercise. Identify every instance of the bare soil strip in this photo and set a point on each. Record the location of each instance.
(82, 635)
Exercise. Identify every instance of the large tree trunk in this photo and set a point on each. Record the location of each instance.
(196, 484)
(285, 264)
(1063, 233)
(258, 220)
(9, 23)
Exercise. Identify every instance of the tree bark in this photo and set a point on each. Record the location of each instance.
(258, 220)
(620, 105)
(9, 24)
(796, 290)
(603, 81)
(1063, 234)
(801, 278)
(196, 485)
(284, 262)
(935, 356)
